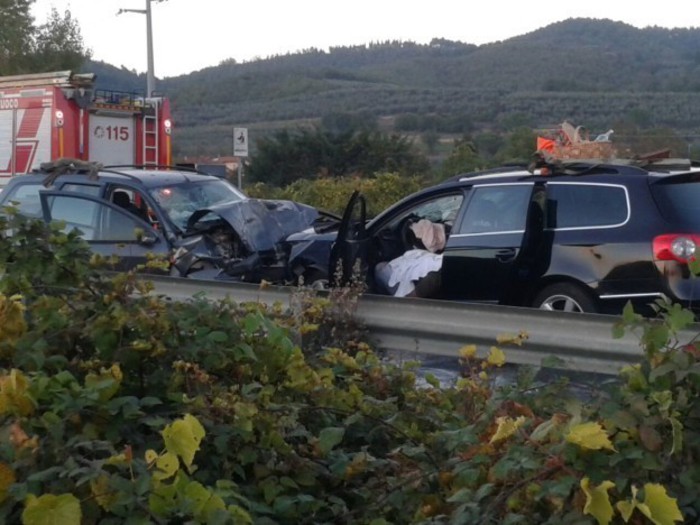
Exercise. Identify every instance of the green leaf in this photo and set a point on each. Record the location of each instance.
(629, 317)
(49, 509)
(618, 330)
(543, 429)
(239, 515)
(677, 428)
(329, 438)
(45, 475)
(246, 351)
(432, 380)
(553, 361)
(204, 501)
(463, 495)
(679, 318)
(218, 336)
(655, 337)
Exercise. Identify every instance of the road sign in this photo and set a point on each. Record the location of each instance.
(240, 142)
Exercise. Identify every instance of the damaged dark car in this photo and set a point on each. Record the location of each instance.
(575, 236)
(202, 224)
(244, 240)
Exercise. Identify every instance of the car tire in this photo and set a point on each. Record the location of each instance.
(565, 297)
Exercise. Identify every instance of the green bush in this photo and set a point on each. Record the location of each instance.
(332, 194)
(120, 406)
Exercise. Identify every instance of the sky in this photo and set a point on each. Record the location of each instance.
(189, 35)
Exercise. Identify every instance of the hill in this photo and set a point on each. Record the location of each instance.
(592, 72)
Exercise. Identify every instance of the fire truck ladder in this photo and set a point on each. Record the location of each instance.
(151, 138)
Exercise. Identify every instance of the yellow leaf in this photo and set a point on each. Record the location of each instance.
(14, 394)
(496, 357)
(12, 322)
(467, 352)
(512, 339)
(506, 427)
(590, 436)
(151, 456)
(664, 509)
(107, 382)
(166, 466)
(626, 507)
(117, 460)
(7, 478)
(49, 509)
(183, 436)
(104, 495)
(597, 501)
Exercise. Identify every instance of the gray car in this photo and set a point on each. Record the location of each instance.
(202, 224)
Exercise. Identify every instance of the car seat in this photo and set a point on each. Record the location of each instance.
(122, 199)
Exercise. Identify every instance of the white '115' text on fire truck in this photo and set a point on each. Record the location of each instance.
(47, 116)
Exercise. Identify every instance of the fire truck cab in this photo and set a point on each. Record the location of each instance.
(48, 116)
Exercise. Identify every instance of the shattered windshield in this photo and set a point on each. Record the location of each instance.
(180, 201)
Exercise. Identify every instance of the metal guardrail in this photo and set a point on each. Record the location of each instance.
(582, 342)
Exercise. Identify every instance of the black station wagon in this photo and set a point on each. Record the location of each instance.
(583, 237)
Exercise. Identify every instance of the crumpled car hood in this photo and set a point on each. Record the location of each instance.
(261, 224)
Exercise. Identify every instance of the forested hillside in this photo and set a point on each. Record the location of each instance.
(593, 72)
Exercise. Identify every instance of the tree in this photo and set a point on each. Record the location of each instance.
(463, 158)
(519, 146)
(305, 154)
(59, 44)
(27, 48)
(16, 31)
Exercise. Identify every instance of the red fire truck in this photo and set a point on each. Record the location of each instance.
(47, 116)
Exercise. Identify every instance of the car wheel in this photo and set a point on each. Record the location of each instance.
(565, 297)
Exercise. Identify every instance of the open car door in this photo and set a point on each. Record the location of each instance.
(107, 228)
(348, 259)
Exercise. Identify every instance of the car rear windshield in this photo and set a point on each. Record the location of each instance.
(678, 199)
(180, 201)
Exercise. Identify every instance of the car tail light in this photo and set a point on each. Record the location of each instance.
(676, 247)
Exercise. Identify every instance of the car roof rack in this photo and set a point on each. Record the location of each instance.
(658, 161)
(505, 168)
(155, 167)
(91, 169)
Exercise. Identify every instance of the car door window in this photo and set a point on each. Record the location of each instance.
(585, 205)
(27, 198)
(87, 189)
(132, 201)
(97, 221)
(496, 209)
(442, 209)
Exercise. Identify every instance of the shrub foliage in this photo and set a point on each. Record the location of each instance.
(381, 191)
(120, 406)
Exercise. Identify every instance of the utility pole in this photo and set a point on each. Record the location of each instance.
(150, 74)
